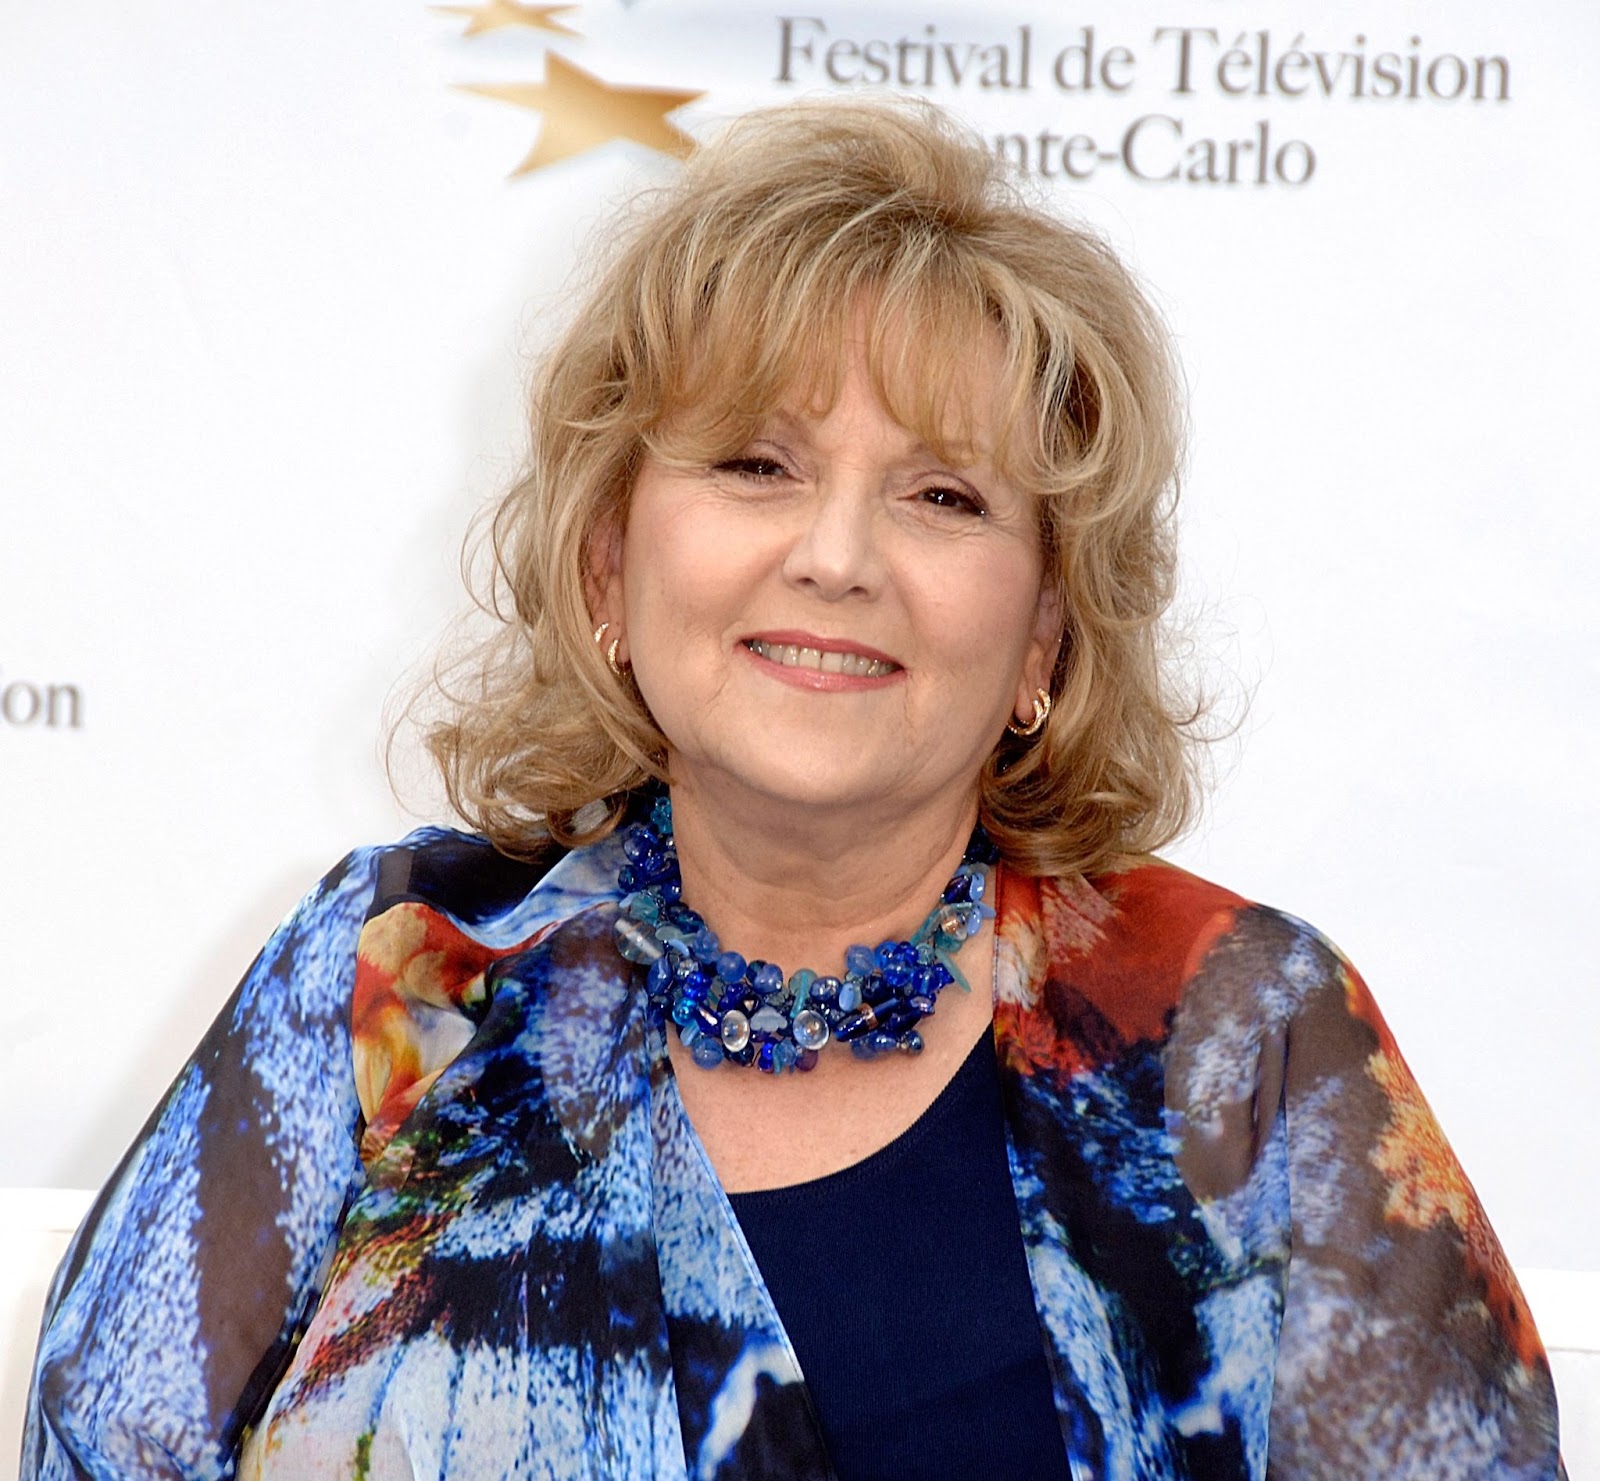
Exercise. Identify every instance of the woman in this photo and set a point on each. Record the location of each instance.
(832, 641)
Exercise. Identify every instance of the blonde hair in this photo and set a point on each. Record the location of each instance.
(736, 285)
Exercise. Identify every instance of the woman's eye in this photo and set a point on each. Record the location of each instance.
(752, 466)
(942, 496)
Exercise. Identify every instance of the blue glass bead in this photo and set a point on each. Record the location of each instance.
(735, 1031)
(784, 1054)
(897, 974)
(705, 946)
(854, 1025)
(661, 816)
(885, 954)
(682, 1011)
(730, 966)
(707, 1052)
(858, 961)
(709, 1019)
(660, 974)
(826, 989)
(671, 890)
(910, 1042)
(897, 1017)
(921, 1002)
(810, 1029)
(850, 995)
(690, 1032)
(696, 990)
(963, 888)
(876, 990)
(807, 1060)
(766, 1058)
(863, 1050)
(768, 979)
(800, 988)
(768, 1021)
(628, 878)
(880, 1042)
(635, 943)
(635, 845)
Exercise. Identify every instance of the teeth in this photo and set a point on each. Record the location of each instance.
(792, 656)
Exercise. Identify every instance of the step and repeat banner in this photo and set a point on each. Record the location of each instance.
(272, 279)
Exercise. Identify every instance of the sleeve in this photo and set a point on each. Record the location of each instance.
(178, 1304)
(1406, 1348)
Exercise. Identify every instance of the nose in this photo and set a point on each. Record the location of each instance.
(835, 553)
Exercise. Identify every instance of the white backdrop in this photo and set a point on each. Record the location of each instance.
(268, 300)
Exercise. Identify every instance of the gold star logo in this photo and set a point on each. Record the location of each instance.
(494, 14)
(580, 112)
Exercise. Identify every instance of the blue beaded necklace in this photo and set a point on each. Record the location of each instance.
(748, 1013)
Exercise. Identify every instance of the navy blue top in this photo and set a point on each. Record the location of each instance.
(903, 1285)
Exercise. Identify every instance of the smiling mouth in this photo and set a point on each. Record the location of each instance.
(791, 655)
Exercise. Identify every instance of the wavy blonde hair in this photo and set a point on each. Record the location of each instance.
(736, 286)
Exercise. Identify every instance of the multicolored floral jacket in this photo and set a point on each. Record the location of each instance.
(425, 1203)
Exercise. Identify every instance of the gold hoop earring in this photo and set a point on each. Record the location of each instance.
(611, 652)
(1041, 713)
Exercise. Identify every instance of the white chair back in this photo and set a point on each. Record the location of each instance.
(1566, 1310)
(36, 1225)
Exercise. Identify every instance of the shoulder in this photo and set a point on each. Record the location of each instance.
(438, 873)
(460, 874)
(1143, 942)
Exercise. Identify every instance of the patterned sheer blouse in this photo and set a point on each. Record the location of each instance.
(425, 1203)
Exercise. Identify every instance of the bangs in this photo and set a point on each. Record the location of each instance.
(765, 329)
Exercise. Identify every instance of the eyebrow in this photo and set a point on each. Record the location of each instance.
(917, 451)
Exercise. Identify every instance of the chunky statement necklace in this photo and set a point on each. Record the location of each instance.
(749, 1013)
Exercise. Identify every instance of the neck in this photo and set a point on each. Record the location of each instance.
(797, 885)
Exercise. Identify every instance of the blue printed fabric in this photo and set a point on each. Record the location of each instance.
(425, 1204)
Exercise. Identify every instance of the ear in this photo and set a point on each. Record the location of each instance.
(602, 578)
(1044, 645)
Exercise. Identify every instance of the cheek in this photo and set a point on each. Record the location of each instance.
(686, 586)
(985, 617)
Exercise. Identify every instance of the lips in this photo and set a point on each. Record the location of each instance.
(832, 659)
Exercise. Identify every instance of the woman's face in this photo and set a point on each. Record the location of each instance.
(833, 615)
